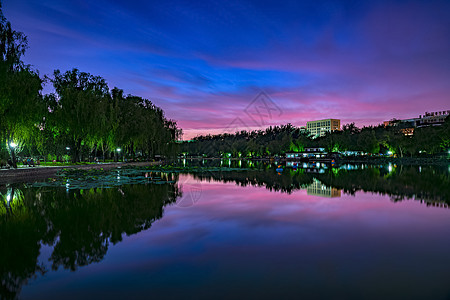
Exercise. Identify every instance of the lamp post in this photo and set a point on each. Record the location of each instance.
(12, 149)
(118, 153)
(68, 149)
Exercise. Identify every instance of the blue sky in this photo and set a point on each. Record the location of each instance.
(204, 62)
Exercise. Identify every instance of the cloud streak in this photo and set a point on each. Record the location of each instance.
(203, 63)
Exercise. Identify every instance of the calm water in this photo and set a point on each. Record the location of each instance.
(240, 231)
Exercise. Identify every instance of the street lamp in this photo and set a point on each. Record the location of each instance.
(12, 146)
(67, 157)
(118, 153)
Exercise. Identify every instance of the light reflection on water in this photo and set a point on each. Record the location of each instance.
(247, 236)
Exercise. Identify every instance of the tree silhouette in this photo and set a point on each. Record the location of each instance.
(21, 106)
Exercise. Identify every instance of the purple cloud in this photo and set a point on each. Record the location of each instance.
(203, 63)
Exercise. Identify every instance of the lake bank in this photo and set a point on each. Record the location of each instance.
(42, 172)
(407, 161)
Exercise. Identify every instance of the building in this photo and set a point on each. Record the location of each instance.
(321, 127)
(315, 149)
(428, 119)
(308, 153)
(433, 118)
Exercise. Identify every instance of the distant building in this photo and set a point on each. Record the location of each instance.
(320, 127)
(433, 118)
(308, 153)
(315, 149)
(428, 119)
(303, 129)
(407, 131)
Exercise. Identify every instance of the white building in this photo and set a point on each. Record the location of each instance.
(320, 127)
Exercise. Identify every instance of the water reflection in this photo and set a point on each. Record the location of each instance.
(319, 189)
(78, 218)
(427, 184)
(79, 225)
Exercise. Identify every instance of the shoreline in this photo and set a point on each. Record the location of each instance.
(28, 174)
(406, 161)
(31, 174)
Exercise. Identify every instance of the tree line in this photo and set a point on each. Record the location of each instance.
(83, 117)
(277, 140)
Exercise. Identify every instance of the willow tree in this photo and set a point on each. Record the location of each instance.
(21, 105)
(143, 127)
(80, 109)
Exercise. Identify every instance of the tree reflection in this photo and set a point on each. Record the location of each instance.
(421, 183)
(20, 235)
(79, 224)
(400, 183)
(285, 182)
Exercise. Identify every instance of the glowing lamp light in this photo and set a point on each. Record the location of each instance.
(389, 152)
(118, 149)
(67, 148)
(13, 145)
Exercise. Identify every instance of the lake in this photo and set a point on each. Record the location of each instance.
(229, 229)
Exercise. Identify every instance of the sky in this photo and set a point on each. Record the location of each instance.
(219, 66)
